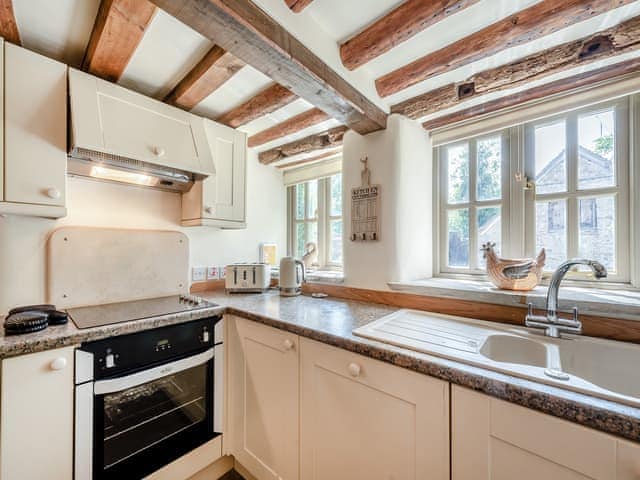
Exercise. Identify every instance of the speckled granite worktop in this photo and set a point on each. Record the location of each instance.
(331, 321)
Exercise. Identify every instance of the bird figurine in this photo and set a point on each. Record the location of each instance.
(310, 256)
(520, 274)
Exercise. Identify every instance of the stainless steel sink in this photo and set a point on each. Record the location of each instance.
(603, 368)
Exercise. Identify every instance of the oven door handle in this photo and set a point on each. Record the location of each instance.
(113, 385)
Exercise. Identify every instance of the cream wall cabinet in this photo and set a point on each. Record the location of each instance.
(35, 134)
(362, 418)
(219, 200)
(111, 119)
(497, 440)
(36, 416)
(263, 399)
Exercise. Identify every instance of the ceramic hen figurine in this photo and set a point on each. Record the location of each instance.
(522, 274)
(311, 255)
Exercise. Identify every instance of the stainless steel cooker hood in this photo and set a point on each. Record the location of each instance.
(114, 168)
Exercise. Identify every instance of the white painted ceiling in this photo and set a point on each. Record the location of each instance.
(61, 29)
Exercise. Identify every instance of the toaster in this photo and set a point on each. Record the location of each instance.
(247, 277)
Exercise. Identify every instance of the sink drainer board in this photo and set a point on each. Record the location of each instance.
(422, 331)
(598, 367)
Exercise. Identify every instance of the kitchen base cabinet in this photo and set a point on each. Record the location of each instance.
(496, 440)
(262, 399)
(36, 416)
(361, 418)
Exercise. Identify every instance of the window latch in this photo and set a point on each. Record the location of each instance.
(527, 183)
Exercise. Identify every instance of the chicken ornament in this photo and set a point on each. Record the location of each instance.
(520, 274)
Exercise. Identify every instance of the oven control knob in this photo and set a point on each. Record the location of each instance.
(109, 360)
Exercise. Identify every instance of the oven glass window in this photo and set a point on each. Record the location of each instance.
(143, 416)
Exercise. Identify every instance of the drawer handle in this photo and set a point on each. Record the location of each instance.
(208, 209)
(53, 193)
(58, 363)
(354, 369)
(158, 151)
(288, 344)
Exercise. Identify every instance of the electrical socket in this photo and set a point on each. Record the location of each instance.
(222, 273)
(212, 273)
(198, 274)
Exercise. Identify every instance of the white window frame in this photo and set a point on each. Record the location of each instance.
(472, 203)
(518, 201)
(323, 218)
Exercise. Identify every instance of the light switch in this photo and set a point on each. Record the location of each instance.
(199, 274)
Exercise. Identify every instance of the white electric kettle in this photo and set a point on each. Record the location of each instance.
(291, 277)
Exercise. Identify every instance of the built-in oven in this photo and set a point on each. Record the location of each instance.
(147, 398)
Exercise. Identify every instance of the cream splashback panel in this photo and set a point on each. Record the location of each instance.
(91, 266)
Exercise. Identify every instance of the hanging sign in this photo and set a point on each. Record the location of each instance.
(365, 209)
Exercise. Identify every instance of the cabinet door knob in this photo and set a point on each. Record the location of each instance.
(58, 363)
(158, 151)
(53, 193)
(287, 344)
(208, 209)
(354, 369)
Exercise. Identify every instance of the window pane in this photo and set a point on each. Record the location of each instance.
(458, 173)
(458, 234)
(300, 189)
(336, 241)
(551, 231)
(312, 232)
(336, 195)
(596, 153)
(489, 169)
(598, 230)
(489, 229)
(300, 240)
(312, 206)
(550, 157)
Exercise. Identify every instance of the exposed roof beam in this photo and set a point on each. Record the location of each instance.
(267, 101)
(8, 25)
(543, 91)
(298, 5)
(242, 28)
(292, 125)
(619, 39)
(321, 141)
(215, 68)
(304, 161)
(402, 23)
(530, 24)
(119, 28)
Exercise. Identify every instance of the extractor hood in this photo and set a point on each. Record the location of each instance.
(112, 168)
(118, 135)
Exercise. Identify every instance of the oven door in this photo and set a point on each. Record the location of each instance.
(148, 419)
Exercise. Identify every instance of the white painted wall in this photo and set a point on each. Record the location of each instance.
(400, 160)
(91, 203)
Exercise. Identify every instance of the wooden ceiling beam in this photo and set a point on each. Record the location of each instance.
(530, 24)
(298, 5)
(622, 38)
(321, 141)
(215, 68)
(398, 26)
(547, 90)
(292, 125)
(304, 161)
(242, 28)
(8, 25)
(119, 28)
(267, 101)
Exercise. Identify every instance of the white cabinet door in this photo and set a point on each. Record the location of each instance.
(362, 418)
(112, 119)
(219, 200)
(36, 416)
(497, 440)
(35, 122)
(263, 399)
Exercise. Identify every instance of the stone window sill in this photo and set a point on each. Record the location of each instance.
(612, 303)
